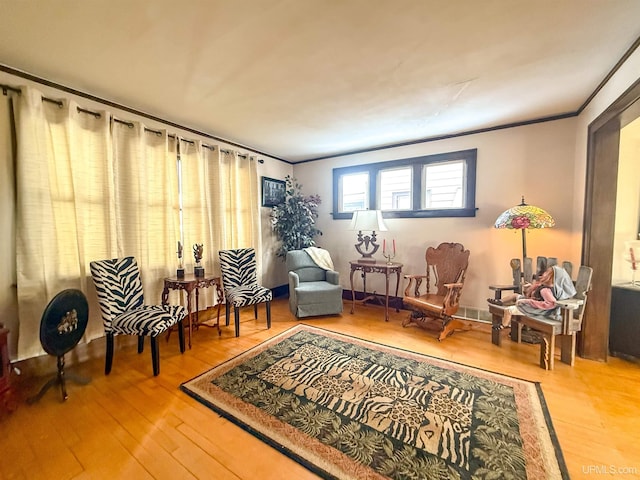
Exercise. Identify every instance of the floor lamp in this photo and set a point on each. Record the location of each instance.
(522, 217)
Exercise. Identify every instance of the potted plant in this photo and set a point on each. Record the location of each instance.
(294, 221)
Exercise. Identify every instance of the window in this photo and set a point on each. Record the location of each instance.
(395, 188)
(353, 192)
(441, 185)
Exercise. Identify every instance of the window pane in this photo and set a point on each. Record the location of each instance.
(395, 189)
(354, 189)
(444, 185)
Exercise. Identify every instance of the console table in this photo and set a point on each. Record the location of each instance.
(189, 284)
(624, 327)
(375, 267)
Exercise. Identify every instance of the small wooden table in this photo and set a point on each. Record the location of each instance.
(387, 268)
(188, 284)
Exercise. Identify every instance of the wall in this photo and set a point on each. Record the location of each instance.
(535, 161)
(626, 75)
(627, 201)
(274, 273)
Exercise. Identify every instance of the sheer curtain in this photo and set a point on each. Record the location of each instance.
(63, 207)
(220, 201)
(91, 188)
(88, 188)
(146, 202)
(198, 208)
(234, 179)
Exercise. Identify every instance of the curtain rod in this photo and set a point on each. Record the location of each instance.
(7, 88)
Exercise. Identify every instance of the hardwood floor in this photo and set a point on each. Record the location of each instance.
(133, 425)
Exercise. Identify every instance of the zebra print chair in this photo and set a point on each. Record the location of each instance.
(123, 311)
(240, 285)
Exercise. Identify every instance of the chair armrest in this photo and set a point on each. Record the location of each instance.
(333, 277)
(569, 324)
(451, 297)
(294, 280)
(571, 303)
(502, 288)
(415, 280)
(409, 276)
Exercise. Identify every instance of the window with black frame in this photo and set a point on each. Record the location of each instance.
(441, 185)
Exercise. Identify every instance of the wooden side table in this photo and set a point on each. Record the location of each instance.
(189, 284)
(387, 268)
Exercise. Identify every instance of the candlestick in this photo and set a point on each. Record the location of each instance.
(389, 257)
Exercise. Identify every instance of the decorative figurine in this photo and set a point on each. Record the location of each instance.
(180, 271)
(197, 254)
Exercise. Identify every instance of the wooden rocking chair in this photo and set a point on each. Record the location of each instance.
(446, 268)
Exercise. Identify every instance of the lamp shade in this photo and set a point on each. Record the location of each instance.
(524, 216)
(368, 220)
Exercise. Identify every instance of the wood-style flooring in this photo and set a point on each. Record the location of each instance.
(131, 424)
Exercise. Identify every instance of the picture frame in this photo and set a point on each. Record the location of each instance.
(273, 191)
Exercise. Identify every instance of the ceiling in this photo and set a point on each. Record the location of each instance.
(306, 79)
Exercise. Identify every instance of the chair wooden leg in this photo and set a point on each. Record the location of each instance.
(516, 333)
(268, 307)
(255, 311)
(155, 355)
(496, 323)
(450, 326)
(236, 316)
(547, 349)
(568, 349)
(226, 312)
(140, 343)
(108, 361)
(181, 336)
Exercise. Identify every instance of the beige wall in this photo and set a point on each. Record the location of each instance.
(626, 75)
(535, 161)
(627, 201)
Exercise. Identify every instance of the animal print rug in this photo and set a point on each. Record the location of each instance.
(348, 408)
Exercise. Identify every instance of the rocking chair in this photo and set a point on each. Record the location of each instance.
(446, 267)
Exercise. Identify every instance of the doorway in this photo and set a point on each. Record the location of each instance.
(599, 218)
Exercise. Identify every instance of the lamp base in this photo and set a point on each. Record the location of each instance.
(366, 260)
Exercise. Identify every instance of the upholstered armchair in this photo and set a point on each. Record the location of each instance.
(313, 290)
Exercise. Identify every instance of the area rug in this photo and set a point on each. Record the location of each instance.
(352, 409)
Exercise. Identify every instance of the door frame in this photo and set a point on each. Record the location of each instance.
(603, 150)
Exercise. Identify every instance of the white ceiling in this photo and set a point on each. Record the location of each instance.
(302, 79)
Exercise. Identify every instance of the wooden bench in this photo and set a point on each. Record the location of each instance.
(570, 321)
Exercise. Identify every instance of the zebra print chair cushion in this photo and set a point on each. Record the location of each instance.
(147, 320)
(248, 295)
(121, 299)
(122, 307)
(240, 285)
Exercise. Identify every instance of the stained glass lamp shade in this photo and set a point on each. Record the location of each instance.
(522, 217)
